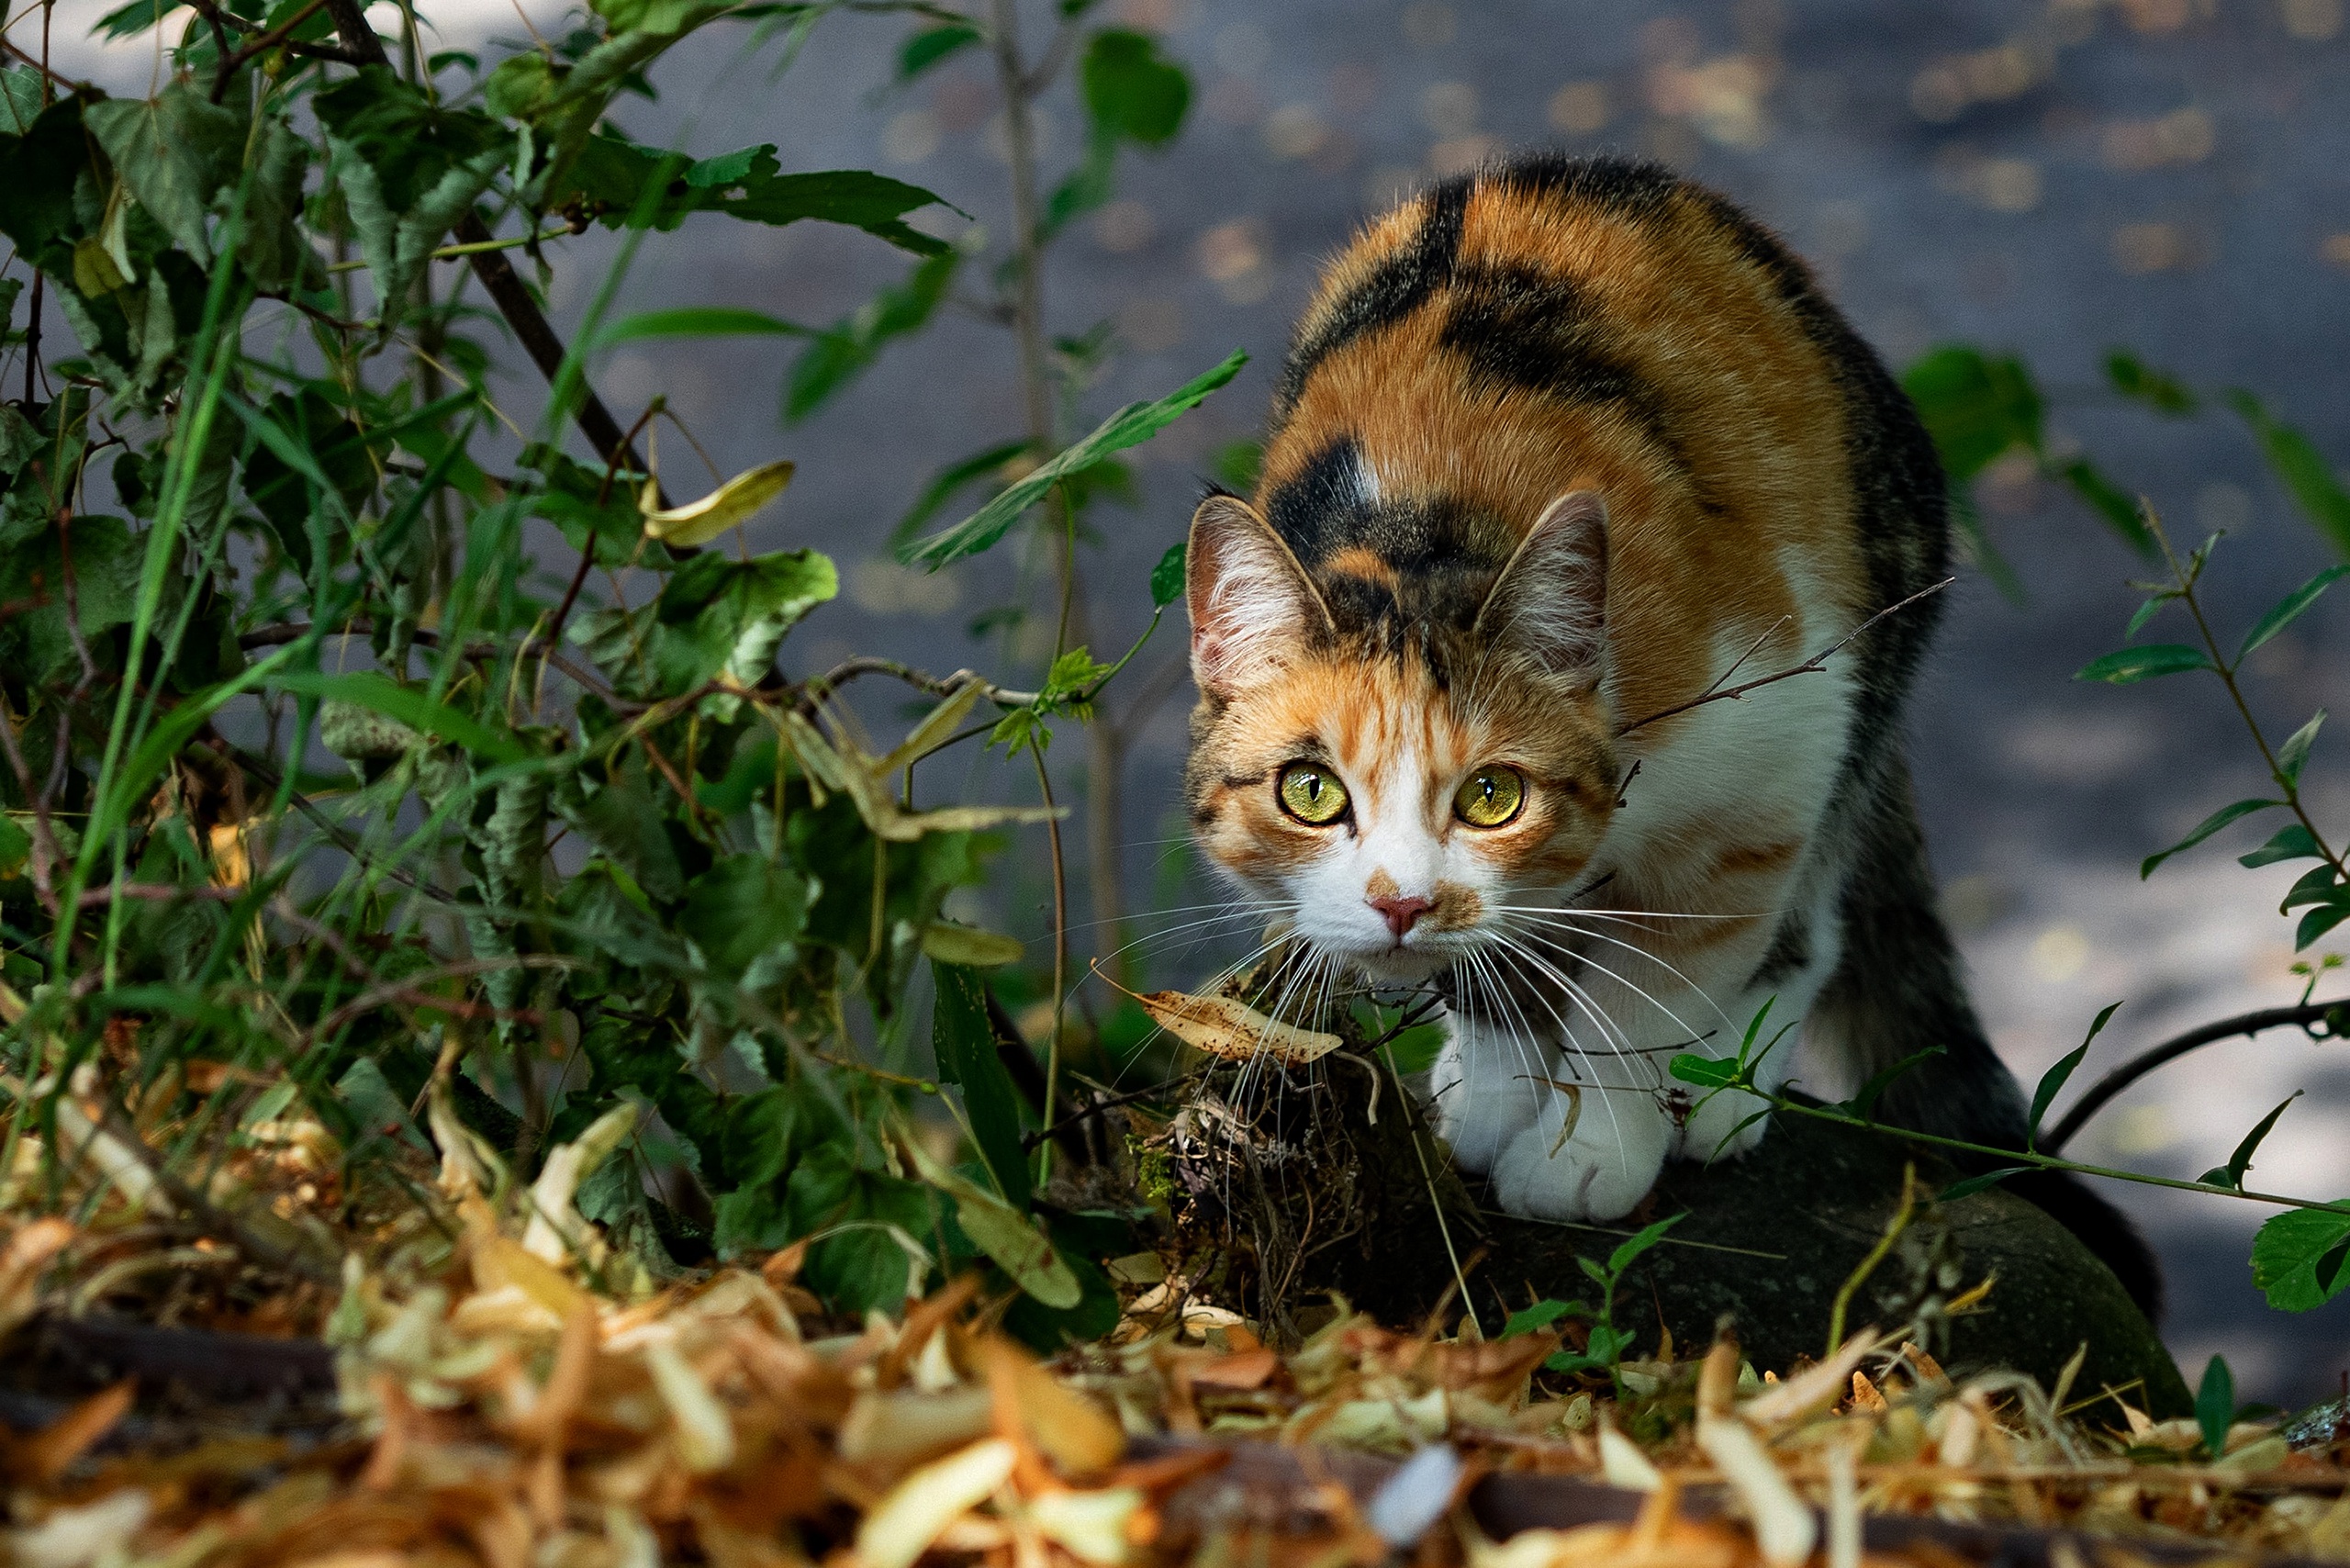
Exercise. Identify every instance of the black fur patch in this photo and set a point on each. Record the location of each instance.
(1789, 953)
(1396, 287)
(1522, 329)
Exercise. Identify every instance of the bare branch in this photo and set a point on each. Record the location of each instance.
(1811, 666)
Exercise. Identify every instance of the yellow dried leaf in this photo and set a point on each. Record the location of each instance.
(705, 1433)
(1784, 1527)
(904, 1425)
(736, 501)
(1226, 1027)
(951, 944)
(904, 1524)
(500, 1260)
(1079, 1437)
(1089, 1526)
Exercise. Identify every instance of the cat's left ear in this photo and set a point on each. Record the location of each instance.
(1552, 600)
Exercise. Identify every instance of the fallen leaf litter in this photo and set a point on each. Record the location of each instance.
(504, 1393)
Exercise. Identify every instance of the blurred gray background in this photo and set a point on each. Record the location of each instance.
(2051, 179)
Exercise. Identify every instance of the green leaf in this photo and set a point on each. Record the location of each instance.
(2302, 1258)
(1132, 91)
(2294, 755)
(107, 563)
(614, 176)
(1166, 577)
(1632, 1246)
(2215, 1406)
(1863, 1104)
(945, 482)
(2315, 885)
(2127, 667)
(2052, 1080)
(176, 152)
(1130, 426)
(2289, 608)
(2291, 842)
(742, 907)
(2110, 501)
(1975, 408)
(16, 848)
(932, 45)
(2203, 830)
(2232, 1175)
(1014, 1244)
(718, 616)
(863, 1267)
(964, 1043)
(2298, 465)
(21, 99)
(410, 705)
(2146, 613)
(2133, 377)
(408, 170)
(1967, 1186)
(2323, 918)
(1706, 1072)
(699, 321)
(1011, 1239)
(839, 353)
(1541, 1315)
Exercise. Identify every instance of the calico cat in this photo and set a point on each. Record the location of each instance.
(1559, 448)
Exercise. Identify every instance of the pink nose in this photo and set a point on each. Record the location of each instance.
(1400, 912)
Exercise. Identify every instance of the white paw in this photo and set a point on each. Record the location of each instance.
(1600, 1173)
(1475, 1103)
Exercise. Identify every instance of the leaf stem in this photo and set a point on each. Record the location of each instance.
(1867, 1266)
(2030, 1156)
(475, 248)
(2226, 672)
(1060, 962)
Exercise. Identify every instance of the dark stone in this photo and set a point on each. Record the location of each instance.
(1769, 1238)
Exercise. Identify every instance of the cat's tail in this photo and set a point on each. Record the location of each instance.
(1898, 990)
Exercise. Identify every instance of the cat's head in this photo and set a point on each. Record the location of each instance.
(1390, 784)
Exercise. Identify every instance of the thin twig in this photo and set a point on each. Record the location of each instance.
(231, 64)
(1867, 1266)
(1811, 666)
(2330, 1014)
(1030, 1140)
(2226, 672)
(1060, 952)
(453, 252)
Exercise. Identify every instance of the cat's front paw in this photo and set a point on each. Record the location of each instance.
(1598, 1175)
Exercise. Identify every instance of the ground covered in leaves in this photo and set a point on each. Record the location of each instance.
(478, 1379)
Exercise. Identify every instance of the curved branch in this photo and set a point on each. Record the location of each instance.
(2335, 1016)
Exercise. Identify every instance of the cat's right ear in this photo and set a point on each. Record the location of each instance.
(1249, 600)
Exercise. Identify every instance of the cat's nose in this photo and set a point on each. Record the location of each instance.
(1401, 912)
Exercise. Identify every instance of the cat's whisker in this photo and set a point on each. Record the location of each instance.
(1626, 916)
(1503, 939)
(1626, 980)
(1568, 1043)
(1549, 942)
(1540, 1089)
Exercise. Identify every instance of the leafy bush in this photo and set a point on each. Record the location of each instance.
(320, 788)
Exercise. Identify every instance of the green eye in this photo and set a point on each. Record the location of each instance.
(1492, 798)
(1312, 794)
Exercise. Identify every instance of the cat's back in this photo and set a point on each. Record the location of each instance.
(1554, 324)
